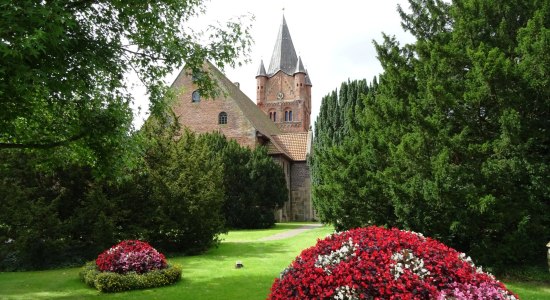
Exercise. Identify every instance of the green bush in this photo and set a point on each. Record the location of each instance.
(254, 184)
(111, 282)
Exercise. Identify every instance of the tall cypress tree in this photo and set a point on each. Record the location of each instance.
(454, 140)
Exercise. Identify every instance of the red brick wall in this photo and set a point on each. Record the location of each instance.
(202, 117)
(295, 98)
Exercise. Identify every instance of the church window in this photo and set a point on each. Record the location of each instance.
(222, 118)
(196, 97)
(288, 116)
(273, 116)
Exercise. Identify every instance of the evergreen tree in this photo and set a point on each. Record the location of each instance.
(454, 141)
(254, 184)
(337, 120)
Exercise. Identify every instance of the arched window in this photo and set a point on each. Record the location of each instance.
(288, 116)
(273, 116)
(222, 118)
(196, 97)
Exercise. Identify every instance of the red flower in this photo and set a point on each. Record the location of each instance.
(378, 263)
(131, 256)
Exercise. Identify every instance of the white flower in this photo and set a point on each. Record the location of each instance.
(346, 293)
(405, 259)
(346, 251)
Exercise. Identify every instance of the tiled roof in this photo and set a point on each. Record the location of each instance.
(258, 118)
(294, 145)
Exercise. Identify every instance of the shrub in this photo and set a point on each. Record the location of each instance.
(114, 282)
(378, 263)
(131, 256)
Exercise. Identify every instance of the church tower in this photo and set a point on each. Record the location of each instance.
(284, 90)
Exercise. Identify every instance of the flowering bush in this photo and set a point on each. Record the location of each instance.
(378, 263)
(131, 256)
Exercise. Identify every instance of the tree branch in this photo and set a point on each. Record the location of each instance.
(143, 54)
(43, 144)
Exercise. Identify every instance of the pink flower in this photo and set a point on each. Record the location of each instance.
(378, 263)
(131, 256)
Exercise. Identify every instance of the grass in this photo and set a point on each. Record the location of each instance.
(531, 283)
(530, 290)
(208, 276)
(211, 275)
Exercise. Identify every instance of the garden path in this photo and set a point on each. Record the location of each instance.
(291, 233)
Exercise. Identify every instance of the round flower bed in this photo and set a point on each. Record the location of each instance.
(131, 255)
(129, 265)
(378, 263)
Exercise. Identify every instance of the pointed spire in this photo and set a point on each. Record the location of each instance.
(261, 69)
(284, 56)
(300, 66)
(308, 80)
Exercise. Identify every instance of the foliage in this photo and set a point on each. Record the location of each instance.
(76, 214)
(254, 184)
(131, 256)
(69, 174)
(373, 262)
(453, 140)
(339, 192)
(61, 210)
(111, 282)
(181, 185)
(65, 63)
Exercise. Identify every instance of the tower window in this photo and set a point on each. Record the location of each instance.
(196, 97)
(273, 116)
(222, 118)
(288, 116)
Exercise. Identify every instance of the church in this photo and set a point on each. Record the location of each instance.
(279, 120)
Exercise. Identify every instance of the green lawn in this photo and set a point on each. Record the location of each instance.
(530, 290)
(208, 276)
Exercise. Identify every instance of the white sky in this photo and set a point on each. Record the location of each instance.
(333, 38)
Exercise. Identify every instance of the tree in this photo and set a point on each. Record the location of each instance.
(70, 156)
(254, 184)
(337, 121)
(63, 67)
(454, 141)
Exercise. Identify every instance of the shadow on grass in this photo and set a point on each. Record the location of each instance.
(278, 226)
(229, 252)
(211, 275)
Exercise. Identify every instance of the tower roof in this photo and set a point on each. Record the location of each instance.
(308, 80)
(261, 69)
(300, 67)
(284, 55)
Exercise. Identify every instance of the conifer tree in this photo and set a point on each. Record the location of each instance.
(454, 141)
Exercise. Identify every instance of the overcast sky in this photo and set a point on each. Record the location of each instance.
(333, 38)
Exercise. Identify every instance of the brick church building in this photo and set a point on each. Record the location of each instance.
(280, 119)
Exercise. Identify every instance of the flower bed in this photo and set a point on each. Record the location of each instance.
(129, 265)
(378, 263)
(131, 256)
